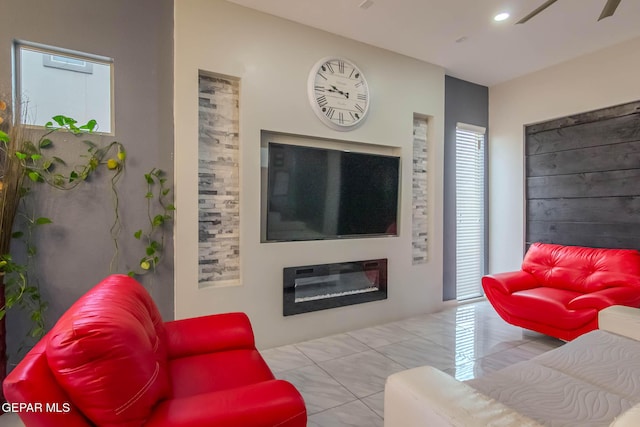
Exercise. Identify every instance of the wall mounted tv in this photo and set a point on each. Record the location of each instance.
(316, 193)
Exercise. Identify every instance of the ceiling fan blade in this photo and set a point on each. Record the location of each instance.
(609, 8)
(538, 10)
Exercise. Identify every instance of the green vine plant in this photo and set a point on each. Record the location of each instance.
(34, 164)
(154, 234)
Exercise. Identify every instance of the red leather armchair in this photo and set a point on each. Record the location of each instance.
(111, 361)
(560, 289)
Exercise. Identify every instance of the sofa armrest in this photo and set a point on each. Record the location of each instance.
(620, 320)
(32, 382)
(269, 403)
(427, 397)
(622, 295)
(208, 334)
(510, 282)
(630, 418)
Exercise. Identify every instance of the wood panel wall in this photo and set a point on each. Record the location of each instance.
(583, 179)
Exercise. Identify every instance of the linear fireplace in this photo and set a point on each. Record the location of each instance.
(319, 287)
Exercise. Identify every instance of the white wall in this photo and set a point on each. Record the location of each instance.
(273, 57)
(605, 78)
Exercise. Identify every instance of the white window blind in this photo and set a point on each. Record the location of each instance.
(470, 207)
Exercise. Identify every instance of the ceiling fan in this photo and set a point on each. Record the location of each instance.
(609, 9)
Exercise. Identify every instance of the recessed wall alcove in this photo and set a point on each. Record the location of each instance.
(330, 177)
(419, 196)
(218, 180)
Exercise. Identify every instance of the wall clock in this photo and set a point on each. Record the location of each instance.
(338, 93)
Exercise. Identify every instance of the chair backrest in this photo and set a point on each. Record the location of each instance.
(105, 358)
(582, 269)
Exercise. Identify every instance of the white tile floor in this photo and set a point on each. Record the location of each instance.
(342, 377)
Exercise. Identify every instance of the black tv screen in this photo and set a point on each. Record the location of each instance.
(316, 193)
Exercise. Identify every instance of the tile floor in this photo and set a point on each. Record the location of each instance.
(341, 377)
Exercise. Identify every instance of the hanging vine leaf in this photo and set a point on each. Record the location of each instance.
(158, 220)
(90, 126)
(34, 176)
(59, 160)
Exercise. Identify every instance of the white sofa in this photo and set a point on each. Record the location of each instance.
(427, 397)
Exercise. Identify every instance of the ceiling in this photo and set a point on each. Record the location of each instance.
(461, 36)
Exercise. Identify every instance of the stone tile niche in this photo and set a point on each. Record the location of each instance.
(420, 220)
(218, 180)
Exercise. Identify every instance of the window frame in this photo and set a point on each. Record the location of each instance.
(48, 50)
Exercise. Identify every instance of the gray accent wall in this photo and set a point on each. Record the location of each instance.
(76, 250)
(465, 102)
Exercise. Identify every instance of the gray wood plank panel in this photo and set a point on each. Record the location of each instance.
(592, 184)
(583, 179)
(592, 159)
(614, 210)
(585, 234)
(610, 131)
(586, 117)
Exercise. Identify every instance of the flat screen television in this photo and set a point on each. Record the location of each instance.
(317, 193)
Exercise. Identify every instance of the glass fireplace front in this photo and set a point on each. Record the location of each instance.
(319, 287)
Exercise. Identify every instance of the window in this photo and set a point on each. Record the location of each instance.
(470, 208)
(51, 81)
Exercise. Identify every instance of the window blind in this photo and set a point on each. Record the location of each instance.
(470, 210)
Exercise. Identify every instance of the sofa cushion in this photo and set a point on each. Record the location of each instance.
(580, 269)
(549, 306)
(108, 353)
(209, 372)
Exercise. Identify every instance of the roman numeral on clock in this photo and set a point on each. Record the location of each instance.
(319, 88)
(362, 97)
(341, 67)
(330, 112)
(341, 117)
(322, 100)
(329, 67)
(359, 108)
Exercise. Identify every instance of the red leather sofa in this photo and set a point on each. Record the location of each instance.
(560, 289)
(111, 361)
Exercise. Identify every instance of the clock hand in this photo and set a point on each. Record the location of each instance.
(335, 89)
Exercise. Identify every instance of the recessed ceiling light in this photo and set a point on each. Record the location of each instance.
(501, 16)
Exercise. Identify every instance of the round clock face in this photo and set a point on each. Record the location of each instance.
(338, 93)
